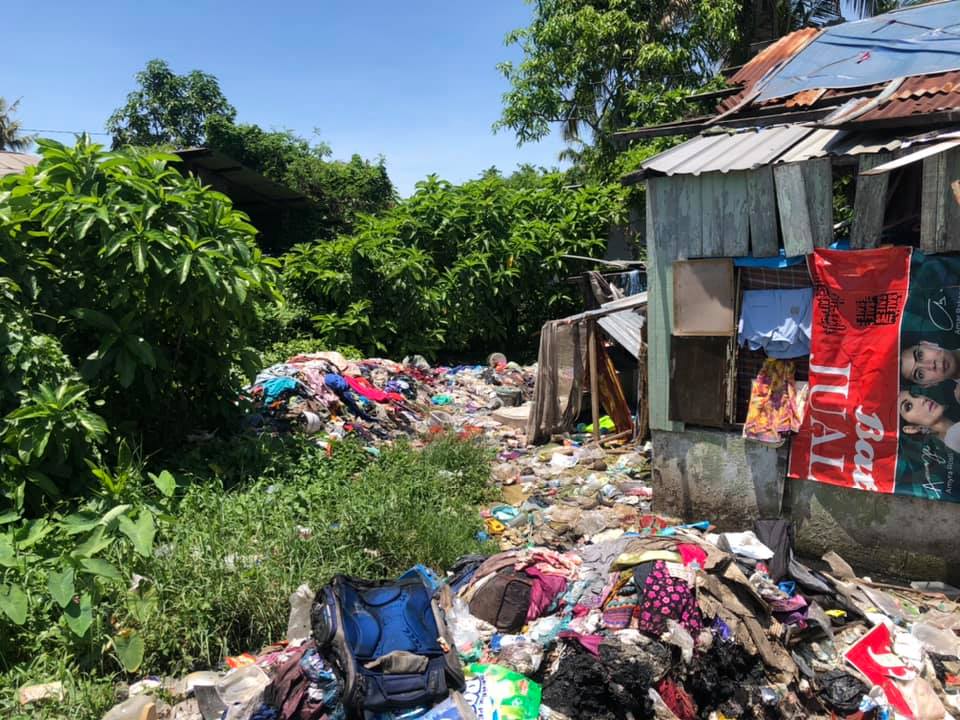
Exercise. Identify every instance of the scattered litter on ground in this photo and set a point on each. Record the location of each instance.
(595, 606)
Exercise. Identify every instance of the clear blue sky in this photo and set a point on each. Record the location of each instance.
(412, 80)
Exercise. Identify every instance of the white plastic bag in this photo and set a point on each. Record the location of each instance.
(298, 626)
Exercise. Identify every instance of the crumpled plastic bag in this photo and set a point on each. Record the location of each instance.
(298, 625)
(840, 691)
(676, 634)
(520, 654)
(469, 633)
(745, 544)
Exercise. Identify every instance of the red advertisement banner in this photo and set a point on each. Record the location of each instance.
(850, 432)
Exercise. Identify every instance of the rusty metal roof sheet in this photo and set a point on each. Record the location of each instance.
(910, 41)
(11, 162)
(766, 60)
(919, 95)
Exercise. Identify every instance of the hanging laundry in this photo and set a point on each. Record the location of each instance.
(775, 408)
(777, 322)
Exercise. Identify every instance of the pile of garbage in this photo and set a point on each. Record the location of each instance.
(668, 621)
(379, 400)
(595, 606)
(569, 492)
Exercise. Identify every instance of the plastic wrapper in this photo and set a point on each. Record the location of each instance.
(520, 654)
(592, 522)
(545, 630)
(678, 636)
(469, 632)
(298, 625)
(496, 693)
(941, 642)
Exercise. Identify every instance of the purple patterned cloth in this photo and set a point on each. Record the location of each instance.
(664, 597)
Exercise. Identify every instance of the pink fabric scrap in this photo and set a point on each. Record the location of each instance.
(544, 591)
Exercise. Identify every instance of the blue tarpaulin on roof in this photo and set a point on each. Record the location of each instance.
(916, 41)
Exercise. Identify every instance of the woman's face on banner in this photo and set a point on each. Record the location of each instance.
(927, 364)
(919, 410)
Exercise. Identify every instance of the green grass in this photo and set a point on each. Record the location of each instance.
(219, 580)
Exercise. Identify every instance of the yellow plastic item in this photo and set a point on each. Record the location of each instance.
(494, 526)
(606, 423)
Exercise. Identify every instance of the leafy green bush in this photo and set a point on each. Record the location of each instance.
(461, 268)
(167, 596)
(150, 282)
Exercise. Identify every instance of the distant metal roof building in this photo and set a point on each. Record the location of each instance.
(243, 185)
(12, 162)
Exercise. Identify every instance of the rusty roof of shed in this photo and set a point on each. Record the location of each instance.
(913, 97)
(896, 70)
(771, 57)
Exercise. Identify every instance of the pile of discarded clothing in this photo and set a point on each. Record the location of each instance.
(669, 622)
(378, 400)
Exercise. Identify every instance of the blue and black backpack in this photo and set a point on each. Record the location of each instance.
(390, 642)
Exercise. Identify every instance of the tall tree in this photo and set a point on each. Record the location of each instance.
(598, 65)
(11, 135)
(595, 66)
(169, 109)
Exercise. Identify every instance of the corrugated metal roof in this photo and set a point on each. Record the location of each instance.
(857, 143)
(765, 61)
(626, 328)
(815, 145)
(919, 95)
(774, 145)
(11, 162)
(914, 41)
(812, 66)
(727, 152)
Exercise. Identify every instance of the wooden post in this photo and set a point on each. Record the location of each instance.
(594, 378)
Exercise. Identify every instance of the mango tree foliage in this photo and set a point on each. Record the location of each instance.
(168, 109)
(148, 283)
(462, 268)
(601, 65)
